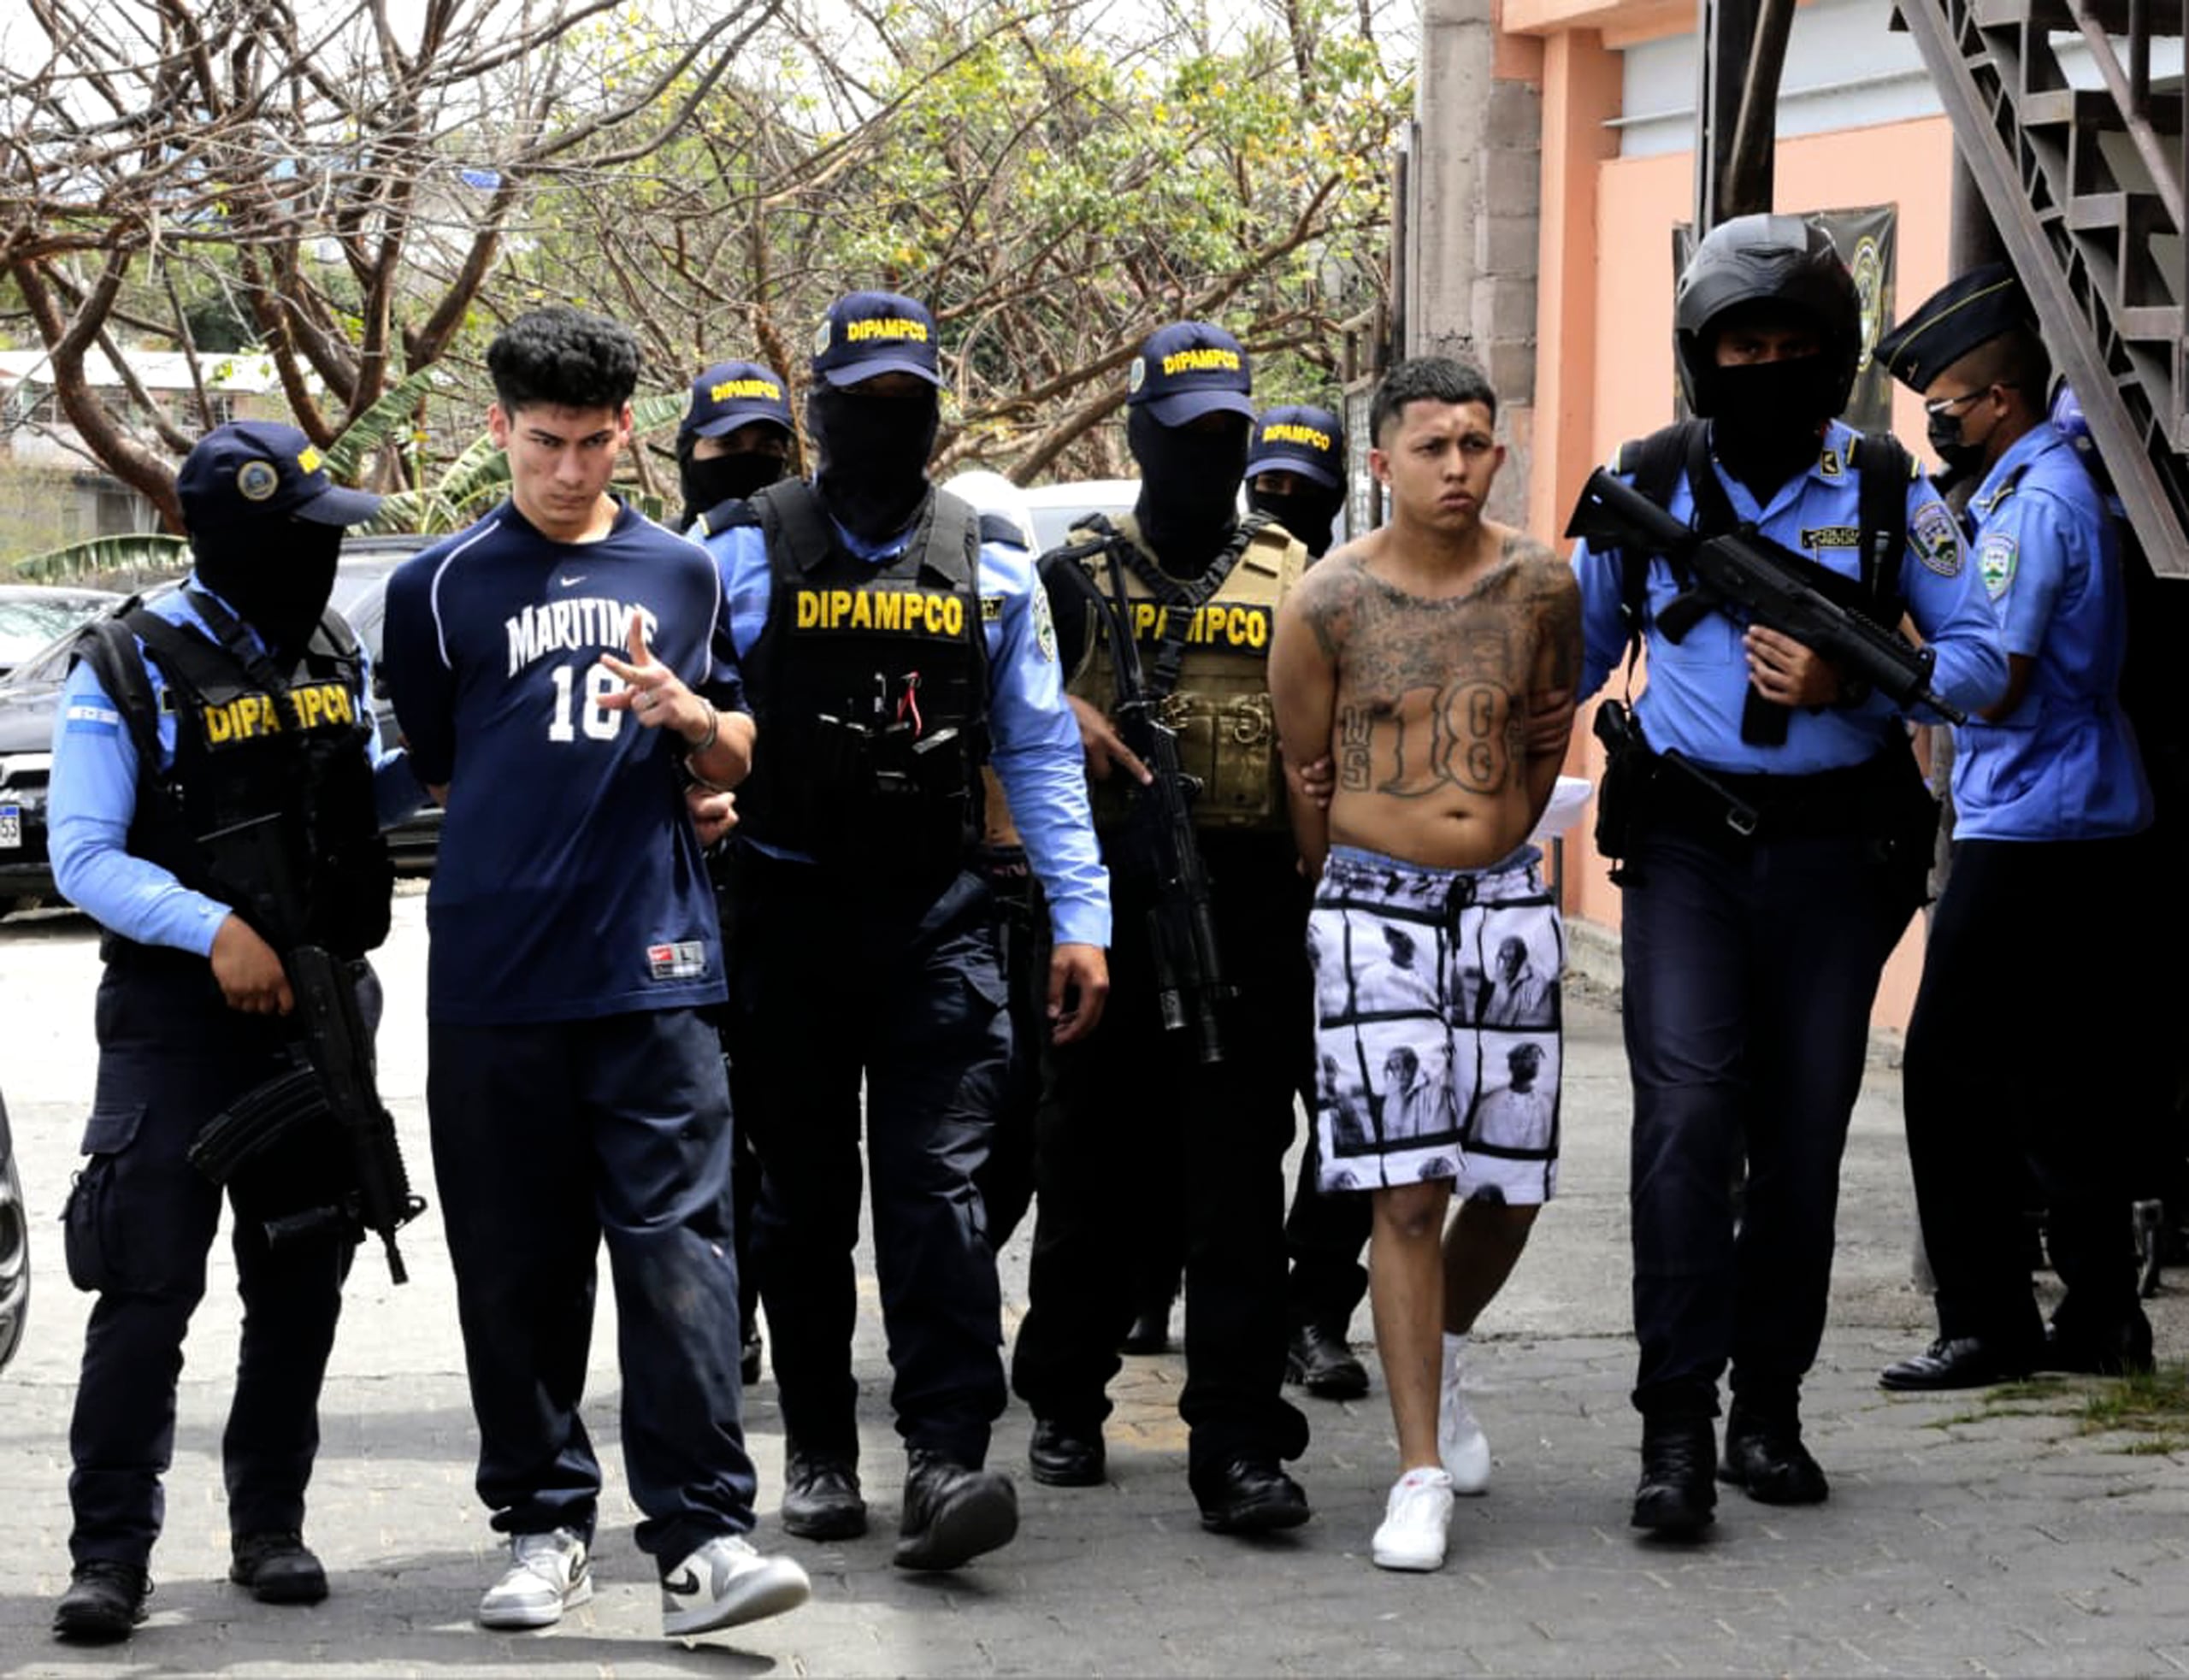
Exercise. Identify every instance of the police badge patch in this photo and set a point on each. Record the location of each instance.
(256, 480)
(1045, 626)
(1995, 563)
(1136, 375)
(1935, 540)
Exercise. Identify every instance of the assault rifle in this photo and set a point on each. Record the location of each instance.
(1758, 581)
(335, 1088)
(1158, 844)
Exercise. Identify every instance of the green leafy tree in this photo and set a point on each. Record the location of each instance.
(1051, 186)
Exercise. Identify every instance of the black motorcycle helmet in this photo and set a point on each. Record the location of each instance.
(1781, 259)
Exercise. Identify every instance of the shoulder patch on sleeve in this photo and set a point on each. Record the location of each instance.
(1045, 625)
(1995, 563)
(88, 717)
(1935, 540)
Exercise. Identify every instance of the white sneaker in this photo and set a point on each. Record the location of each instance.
(1415, 1522)
(1459, 1440)
(549, 1575)
(725, 1583)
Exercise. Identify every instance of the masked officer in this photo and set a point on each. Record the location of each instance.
(888, 654)
(1776, 848)
(1295, 472)
(735, 439)
(2049, 795)
(1205, 1111)
(218, 790)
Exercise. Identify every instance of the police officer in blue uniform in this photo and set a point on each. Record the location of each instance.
(218, 790)
(736, 438)
(2049, 796)
(889, 653)
(1774, 853)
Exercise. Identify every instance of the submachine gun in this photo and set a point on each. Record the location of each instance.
(334, 1089)
(1158, 842)
(1755, 580)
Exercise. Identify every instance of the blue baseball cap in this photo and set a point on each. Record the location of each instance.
(869, 333)
(250, 471)
(1302, 438)
(1187, 369)
(731, 394)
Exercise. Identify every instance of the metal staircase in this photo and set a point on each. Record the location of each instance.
(2086, 188)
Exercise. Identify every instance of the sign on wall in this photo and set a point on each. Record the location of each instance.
(1865, 238)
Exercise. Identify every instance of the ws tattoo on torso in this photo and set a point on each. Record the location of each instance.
(1432, 690)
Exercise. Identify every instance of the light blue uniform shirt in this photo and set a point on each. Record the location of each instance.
(1034, 741)
(1697, 687)
(2063, 764)
(92, 799)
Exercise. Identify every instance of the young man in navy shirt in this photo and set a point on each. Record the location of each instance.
(573, 1085)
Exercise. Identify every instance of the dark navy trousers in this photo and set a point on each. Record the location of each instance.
(1749, 973)
(2026, 1049)
(550, 1139)
(834, 978)
(1138, 1118)
(139, 1223)
(1325, 1235)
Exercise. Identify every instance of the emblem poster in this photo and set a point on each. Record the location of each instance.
(1865, 238)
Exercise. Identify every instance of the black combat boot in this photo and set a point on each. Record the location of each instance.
(1764, 1455)
(952, 1514)
(1677, 1495)
(104, 1602)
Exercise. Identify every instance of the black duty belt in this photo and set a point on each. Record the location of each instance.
(1734, 807)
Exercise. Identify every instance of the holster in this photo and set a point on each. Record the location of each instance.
(1628, 766)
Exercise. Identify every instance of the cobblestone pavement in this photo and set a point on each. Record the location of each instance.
(1960, 1537)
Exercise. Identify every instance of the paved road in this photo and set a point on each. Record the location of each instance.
(1959, 1537)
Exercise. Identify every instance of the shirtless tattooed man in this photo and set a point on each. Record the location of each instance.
(1432, 662)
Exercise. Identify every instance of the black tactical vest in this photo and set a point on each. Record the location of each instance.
(268, 806)
(868, 685)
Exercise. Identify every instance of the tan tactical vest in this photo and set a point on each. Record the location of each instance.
(1220, 707)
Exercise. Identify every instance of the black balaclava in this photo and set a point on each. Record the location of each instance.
(873, 452)
(1307, 510)
(1768, 418)
(1189, 487)
(278, 575)
(721, 478)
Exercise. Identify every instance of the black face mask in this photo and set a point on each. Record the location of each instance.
(1962, 460)
(873, 453)
(1189, 487)
(1768, 418)
(278, 576)
(721, 478)
(1307, 513)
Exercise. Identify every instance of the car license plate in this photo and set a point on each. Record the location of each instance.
(11, 827)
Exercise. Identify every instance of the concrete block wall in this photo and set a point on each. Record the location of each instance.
(1473, 226)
